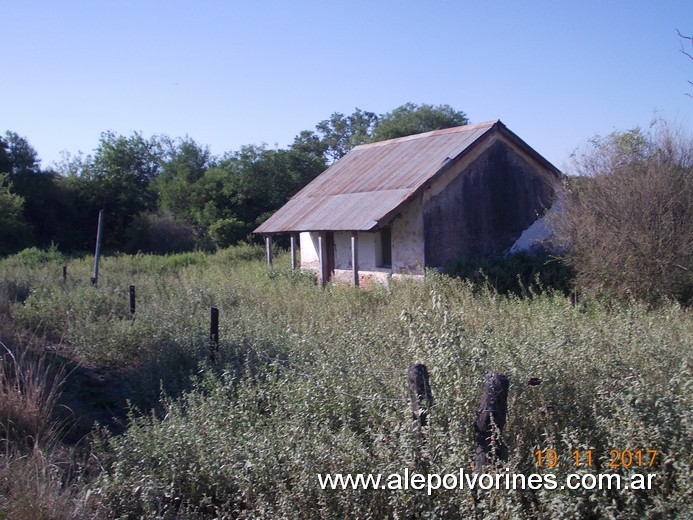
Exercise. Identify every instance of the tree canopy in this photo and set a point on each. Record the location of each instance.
(335, 136)
(14, 232)
(167, 194)
(410, 119)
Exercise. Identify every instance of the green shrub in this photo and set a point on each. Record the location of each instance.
(32, 257)
(228, 231)
(158, 233)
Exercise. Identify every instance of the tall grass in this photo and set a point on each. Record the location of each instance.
(312, 380)
(29, 390)
(37, 473)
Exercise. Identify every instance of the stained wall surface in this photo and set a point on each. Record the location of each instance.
(486, 207)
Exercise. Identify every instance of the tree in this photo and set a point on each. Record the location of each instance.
(14, 232)
(626, 222)
(228, 231)
(46, 206)
(341, 133)
(310, 143)
(116, 178)
(335, 136)
(17, 156)
(243, 188)
(249, 185)
(184, 164)
(5, 164)
(158, 232)
(411, 118)
(686, 53)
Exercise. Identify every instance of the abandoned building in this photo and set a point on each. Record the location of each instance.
(395, 207)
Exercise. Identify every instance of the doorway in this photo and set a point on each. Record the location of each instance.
(329, 256)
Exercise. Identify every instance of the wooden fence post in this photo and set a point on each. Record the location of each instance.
(64, 273)
(420, 395)
(97, 251)
(213, 334)
(490, 420)
(132, 302)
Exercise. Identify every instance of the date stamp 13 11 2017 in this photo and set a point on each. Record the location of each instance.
(627, 458)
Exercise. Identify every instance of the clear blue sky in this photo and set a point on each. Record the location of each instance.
(230, 73)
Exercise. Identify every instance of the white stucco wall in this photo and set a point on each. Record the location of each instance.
(407, 250)
(368, 253)
(539, 234)
(342, 250)
(309, 251)
(368, 259)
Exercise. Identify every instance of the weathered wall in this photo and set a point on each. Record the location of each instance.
(408, 240)
(407, 249)
(368, 246)
(342, 250)
(477, 208)
(483, 210)
(366, 278)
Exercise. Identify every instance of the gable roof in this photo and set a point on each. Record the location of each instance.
(363, 189)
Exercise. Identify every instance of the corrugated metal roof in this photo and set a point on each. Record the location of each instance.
(373, 180)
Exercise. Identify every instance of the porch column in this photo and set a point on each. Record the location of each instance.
(321, 256)
(268, 247)
(293, 251)
(355, 256)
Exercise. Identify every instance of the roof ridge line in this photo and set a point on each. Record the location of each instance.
(442, 131)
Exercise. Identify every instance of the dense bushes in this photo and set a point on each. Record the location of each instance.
(521, 274)
(312, 381)
(626, 224)
(159, 233)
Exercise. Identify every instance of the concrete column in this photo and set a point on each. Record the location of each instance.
(355, 256)
(268, 246)
(321, 256)
(293, 251)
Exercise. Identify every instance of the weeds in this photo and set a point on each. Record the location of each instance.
(313, 380)
(29, 392)
(37, 473)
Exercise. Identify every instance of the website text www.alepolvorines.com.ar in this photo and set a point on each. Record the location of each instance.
(430, 482)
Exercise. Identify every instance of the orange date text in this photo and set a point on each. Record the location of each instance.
(550, 458)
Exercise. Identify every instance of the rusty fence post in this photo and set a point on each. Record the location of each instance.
(574, 298)
(490, 420)
(132, 302)
(420, 395)
(213, 333)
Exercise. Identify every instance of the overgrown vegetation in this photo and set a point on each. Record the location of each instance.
(312, 380)
(40, 477)
(522, 274)
(626, 223)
